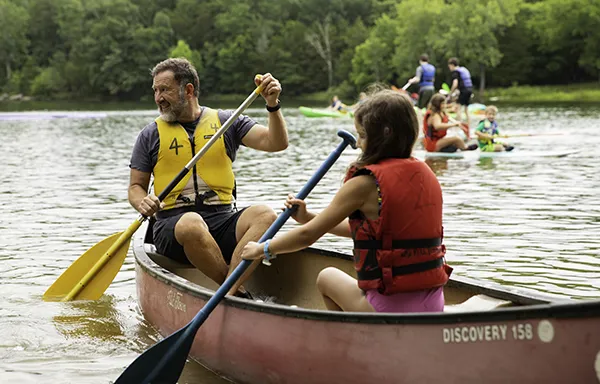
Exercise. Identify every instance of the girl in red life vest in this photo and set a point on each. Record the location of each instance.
(435, 124)
(391, 206)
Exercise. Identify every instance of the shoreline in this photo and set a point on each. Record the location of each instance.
(580, 94)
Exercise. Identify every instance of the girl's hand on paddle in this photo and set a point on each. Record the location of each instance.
(271, 88)
(253, 251)
(300, 214)
(150, 205)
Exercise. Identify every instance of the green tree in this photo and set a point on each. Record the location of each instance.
(569, 27)
(182, 49)
(467, 29)
(13, 39)
(372, 61)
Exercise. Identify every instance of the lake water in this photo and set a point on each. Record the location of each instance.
(529, 223)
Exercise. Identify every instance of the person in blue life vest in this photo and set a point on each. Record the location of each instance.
(461, 81)
(487, 132)
(391, 206)
(425, 76)
(198, 222)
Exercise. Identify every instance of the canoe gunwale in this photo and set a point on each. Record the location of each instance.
(561, 308)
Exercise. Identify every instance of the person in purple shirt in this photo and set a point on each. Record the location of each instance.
(198, 222)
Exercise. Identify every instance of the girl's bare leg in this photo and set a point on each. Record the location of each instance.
(341, 293)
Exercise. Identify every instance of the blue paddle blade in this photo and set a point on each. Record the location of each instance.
(162, 363)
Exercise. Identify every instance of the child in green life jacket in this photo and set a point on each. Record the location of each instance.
(487, 131)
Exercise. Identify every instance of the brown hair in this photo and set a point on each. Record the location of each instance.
(391, 126)
(424, 57)
(183, 71)
(435, 104)
(453, 61)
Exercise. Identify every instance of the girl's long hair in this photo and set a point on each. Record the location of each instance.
(435, 104)
(390, 123)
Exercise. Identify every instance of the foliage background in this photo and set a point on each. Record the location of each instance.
(104, 49)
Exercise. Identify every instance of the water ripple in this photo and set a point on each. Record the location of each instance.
(531, 223)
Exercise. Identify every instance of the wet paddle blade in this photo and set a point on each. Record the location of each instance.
(76, 273)
(162, 363)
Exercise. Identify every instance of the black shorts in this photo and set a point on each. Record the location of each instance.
(464, 98)
(449, 148)
(424, 97)
(221, 221)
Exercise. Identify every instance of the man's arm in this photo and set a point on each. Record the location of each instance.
(417, 77)
(274, 138)
(137, 193)
(454, 82)
(271, 139)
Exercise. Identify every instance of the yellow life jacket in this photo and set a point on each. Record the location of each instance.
(213, 172)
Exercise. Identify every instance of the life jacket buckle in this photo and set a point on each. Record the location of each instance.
(201, 197)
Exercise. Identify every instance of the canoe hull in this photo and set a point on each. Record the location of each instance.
(251, 342)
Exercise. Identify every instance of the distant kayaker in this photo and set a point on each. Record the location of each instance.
(435, 125)
(425, 76)
(461, 80)
(487, 132)
(391, 206)
(198, 223)
(337, 105)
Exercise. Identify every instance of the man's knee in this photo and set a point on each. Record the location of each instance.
(261, 214)
(190, 225)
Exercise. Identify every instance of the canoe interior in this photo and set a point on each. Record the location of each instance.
(290, 280)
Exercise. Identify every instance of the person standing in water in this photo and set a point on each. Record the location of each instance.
(461, 80)
(425, 76)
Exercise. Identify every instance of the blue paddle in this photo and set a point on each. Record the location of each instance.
(163, 362)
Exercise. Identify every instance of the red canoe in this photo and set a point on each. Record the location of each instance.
(488, 333)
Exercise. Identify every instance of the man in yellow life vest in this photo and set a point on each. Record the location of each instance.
(198, 221)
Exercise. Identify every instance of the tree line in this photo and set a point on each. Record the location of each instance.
(104, 49)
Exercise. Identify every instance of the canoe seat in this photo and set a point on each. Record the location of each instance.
(477, 303)
(164, 261)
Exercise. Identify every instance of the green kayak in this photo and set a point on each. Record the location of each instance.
(322, 112)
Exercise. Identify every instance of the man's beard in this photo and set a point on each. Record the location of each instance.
(174, 111)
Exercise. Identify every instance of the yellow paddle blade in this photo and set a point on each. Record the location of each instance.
(94, 265)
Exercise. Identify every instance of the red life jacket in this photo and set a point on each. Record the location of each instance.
(402, 250)
(432, 135)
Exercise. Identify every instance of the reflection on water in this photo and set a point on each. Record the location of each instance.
(531, 223)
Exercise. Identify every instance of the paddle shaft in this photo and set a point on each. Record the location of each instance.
(406, 86)
(529, 134)
(126, 235)
(198, 320)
